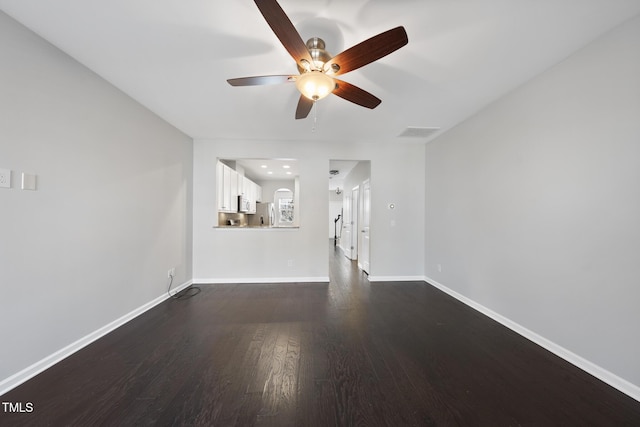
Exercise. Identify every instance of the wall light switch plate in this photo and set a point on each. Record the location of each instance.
(5, 178)
(28, 181)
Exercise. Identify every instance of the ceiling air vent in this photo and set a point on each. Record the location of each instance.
(418, 132)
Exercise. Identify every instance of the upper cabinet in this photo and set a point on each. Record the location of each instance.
(230, 185)
(227, 188)
(251, 193)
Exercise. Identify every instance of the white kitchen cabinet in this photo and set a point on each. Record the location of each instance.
(230, 185)
(220, 187)
(233, 190)
(253, 193)
(227, 188)
(250, 194)
(245, 185)
(241, 186)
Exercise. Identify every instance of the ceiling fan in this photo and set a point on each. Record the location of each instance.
(317, 67)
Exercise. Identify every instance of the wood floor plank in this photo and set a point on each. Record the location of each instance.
(347, 353)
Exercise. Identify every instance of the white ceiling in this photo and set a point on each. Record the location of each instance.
(269, 169)
(287, 169)
(174, 57)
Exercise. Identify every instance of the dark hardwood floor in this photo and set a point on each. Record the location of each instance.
(347, 353)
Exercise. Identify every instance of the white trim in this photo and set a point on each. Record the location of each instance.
(608, 377)
(396, 278)
(219, 281)
(31, 371)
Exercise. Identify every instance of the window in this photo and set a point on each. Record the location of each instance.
(285, 207)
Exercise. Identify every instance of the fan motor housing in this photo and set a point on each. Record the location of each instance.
(318, 54)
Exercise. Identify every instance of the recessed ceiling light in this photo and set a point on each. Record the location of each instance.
(286, 166)
(263, 166)
(270, 172)
(288, 173)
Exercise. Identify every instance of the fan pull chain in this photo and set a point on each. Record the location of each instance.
(315, 116)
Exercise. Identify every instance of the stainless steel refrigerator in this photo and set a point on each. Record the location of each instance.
(265, 215)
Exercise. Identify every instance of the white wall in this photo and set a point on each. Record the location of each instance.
(112, 212)
(533, 205)
(260, 255)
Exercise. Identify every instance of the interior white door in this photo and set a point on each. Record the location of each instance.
(354, 222)
(345, 237)
(364, 250)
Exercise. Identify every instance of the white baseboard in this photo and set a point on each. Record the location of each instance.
(31, 371)
(218, 281)
(396, 278)
(613, 380)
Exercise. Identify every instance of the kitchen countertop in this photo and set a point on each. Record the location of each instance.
(253, 227)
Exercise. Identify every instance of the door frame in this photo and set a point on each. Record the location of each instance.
(364, 221)
(355, 212)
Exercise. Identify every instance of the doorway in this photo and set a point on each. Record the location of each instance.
(364, 228)
(354, 203)
(350, 203)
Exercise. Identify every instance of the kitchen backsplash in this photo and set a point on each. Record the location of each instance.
(232, 219)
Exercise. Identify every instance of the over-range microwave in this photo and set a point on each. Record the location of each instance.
(244, 205)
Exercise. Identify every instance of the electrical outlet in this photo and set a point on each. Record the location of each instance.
(439, 268)
(290, 263)
(171, 273)
(5, 178)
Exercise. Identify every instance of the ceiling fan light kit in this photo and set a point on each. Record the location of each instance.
(315, 85)
(316, 66)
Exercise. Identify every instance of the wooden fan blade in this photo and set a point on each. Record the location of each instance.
(304, 107)
(368, 51)
(356, 95)
(261, 80)
(285, 31)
